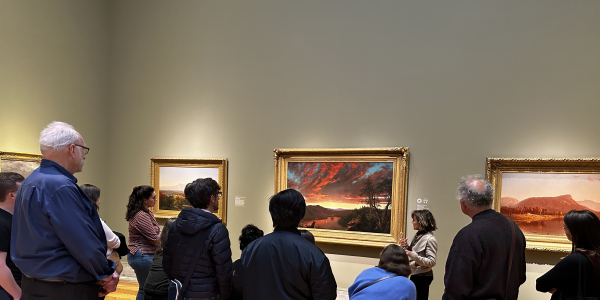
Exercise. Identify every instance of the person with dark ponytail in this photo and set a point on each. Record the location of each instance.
(143, 233)
(581, 268)
(388, 280)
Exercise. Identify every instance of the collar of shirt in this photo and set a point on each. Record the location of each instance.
(292, 230)
(206, 210)
(48, 163)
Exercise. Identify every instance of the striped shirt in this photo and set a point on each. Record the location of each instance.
(143, 232)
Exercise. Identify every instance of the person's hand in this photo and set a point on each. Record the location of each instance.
(408, 252)
(403, 242)
(108, 284)
(552, 291)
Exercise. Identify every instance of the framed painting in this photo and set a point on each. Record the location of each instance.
(21, 163)
(353, 196)
(537, 192)
(169, 176)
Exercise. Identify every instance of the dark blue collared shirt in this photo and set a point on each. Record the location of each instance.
(56, 230)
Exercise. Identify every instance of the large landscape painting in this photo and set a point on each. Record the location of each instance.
(537, 202)
(350, 196)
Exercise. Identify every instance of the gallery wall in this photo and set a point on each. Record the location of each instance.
(54, 66)
(456, 81)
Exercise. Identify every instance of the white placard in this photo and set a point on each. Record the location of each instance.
(239, 201)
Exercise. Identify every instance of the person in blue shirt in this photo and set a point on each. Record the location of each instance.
(389, 280)
(57, 238)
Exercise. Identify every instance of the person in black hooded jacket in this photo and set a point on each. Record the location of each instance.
(212, 273)
(283, 265)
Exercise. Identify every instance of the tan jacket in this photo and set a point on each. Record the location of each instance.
(423, 256)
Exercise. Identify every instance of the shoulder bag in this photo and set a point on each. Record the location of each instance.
(176, 288)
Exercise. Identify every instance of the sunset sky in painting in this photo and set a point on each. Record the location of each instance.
(525, 185)
(335, 184)
(175, 178)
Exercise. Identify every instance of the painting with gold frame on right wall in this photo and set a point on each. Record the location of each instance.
(536, 193)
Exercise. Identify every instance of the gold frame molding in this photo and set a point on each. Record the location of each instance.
(397, 155)
(496, 166)
(220, 163)
(14, 156)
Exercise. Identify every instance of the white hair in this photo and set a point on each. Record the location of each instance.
(57, 136)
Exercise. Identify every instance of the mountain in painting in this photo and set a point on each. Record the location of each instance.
(318, 212)
(592, 205)
(508, 201)
(558, 204)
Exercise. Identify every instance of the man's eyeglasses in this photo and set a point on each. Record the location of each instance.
(220, 194)
(86, 149)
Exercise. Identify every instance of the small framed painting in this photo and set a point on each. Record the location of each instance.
(169, 176)
(21, 163)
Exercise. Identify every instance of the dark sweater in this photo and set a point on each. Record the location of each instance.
(564, 276)
(157, 283)
(477, 264)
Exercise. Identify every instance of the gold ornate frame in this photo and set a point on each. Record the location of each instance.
(23, 157)
(397, 155)
(497, 166)
(220, 163)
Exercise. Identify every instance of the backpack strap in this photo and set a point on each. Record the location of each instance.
(373, 282)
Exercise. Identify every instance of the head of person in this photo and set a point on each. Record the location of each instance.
(582, 228)
(163, 235)
(142, 198)
(394, 259)
(93, 193)
(62, 144)
(249, 234)
(423, 220)
(203, 193)
(287, 208)
(475, 194)
(10, 182)
(308, 236)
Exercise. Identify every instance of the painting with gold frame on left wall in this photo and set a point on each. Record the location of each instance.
(22, 163)
(169, 176)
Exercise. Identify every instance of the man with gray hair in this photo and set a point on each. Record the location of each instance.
(58, 241)
(487, 257)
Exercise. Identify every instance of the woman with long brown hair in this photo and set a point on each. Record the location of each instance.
(579, 272)
(143, 233)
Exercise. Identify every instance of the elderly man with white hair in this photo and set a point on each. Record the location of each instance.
(487, 257)
(58, 241)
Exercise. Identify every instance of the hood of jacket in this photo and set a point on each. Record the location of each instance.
(194, 220)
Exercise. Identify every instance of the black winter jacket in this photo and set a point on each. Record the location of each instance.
(212, 273)
(283, 265)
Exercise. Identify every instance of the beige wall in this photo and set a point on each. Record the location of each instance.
(456, 81)
(54, 66)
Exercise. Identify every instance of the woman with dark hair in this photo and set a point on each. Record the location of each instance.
(249, 234)
(422, 251)
(156, 286)
(143, 233)
(386, 281)
(112, 240)
(580, 270)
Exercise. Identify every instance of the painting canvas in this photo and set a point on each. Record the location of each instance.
(536, 193)
(20, 163)
(354, 196)
(169, 176)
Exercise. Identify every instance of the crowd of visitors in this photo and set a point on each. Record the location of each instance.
(53, 245)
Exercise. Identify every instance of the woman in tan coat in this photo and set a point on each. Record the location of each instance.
(422, 251)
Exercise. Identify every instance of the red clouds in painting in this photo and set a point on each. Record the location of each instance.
(335, 181)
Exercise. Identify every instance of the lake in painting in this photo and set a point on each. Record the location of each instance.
(537, 202)
(353, 196)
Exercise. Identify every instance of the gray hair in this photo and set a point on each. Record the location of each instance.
(474, 196)
(57, 136)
